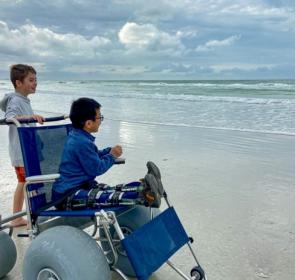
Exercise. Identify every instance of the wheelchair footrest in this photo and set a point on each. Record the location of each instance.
(153, 244)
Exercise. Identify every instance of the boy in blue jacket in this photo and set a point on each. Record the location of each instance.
(82, 162)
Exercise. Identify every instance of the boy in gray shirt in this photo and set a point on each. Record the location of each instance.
(17, 105)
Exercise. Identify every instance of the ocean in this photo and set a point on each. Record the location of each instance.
(266, 106)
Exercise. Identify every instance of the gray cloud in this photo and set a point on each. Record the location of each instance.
(201, 38)
(42, 42)
(147, 37)
(212, 44)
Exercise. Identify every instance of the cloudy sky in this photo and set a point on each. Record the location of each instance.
(154, 39)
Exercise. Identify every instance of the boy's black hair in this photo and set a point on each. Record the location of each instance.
(82, 110)
(19, 72)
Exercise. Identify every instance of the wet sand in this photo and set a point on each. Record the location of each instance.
(234, 192)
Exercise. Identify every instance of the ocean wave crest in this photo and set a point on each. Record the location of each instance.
(157, 95)
(251, 130)
(288, 85)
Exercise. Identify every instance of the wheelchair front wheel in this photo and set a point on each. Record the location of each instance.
(198, 273)
(7, 254)
(65, 253)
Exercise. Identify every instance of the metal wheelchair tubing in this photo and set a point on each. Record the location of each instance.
(176, 269)
(190, 248)
(95, 226)
(105, 221)
(32, 229)
(118, 271)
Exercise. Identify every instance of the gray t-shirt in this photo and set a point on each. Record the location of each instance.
(15, 104)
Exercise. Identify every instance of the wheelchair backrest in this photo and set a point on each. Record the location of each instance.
(42, 148)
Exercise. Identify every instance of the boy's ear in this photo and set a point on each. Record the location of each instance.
(87, 124)
(18, 83)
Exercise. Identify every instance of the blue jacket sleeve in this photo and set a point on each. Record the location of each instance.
(104, 151)
(92, 162)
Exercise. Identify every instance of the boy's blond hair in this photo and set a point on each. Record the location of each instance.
(19, 72)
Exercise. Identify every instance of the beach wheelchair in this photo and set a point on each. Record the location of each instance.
(130, 240)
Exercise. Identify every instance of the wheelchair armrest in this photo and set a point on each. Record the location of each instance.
(42, 178)
(120, 161)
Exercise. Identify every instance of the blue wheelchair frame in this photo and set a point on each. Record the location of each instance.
(147, 248)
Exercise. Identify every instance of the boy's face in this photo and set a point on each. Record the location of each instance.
(28, 85)
(93, 126)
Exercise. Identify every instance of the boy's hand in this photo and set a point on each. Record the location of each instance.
(116, 151)
(38, 118)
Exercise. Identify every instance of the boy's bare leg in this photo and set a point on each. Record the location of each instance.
(18, 201)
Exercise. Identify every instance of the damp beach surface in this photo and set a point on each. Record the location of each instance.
(233, 191)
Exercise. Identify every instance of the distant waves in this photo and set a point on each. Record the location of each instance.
(266, 106)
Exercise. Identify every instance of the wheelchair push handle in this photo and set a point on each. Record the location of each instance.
(50, 119)
(120, 161)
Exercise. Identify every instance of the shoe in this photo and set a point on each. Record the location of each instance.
(151, 191)
(153, 169)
